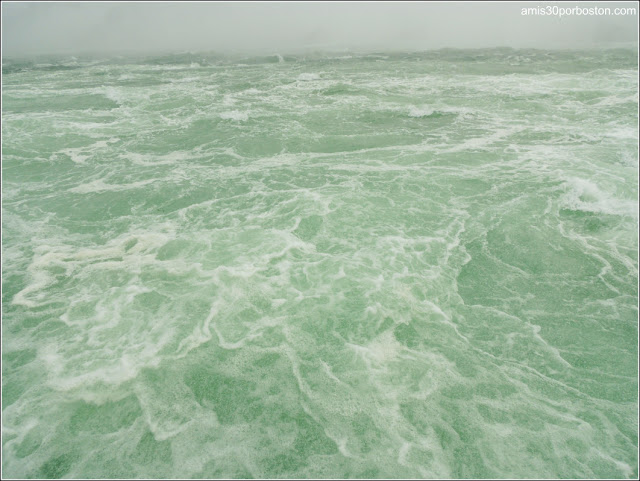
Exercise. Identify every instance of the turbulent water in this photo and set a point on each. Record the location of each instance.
(346, 266)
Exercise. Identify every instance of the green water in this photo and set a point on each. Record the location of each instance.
(345, 266)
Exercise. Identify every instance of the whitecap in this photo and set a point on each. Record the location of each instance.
(305, 77)
(584, 195)
(235, 115)
(418, 113)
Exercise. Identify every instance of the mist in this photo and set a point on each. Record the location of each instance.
(286, 27)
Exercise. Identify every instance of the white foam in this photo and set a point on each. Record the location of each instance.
(382, 349)
(420, 112)
(79, 155)
(228, 100)
(235, 115)
(71, 259)
(75, 156)
(305, 77)
(277, 302)
(482, 143)
(155, 159)
(621, 133)
(584, 195)
(100, 186)
(113, 93)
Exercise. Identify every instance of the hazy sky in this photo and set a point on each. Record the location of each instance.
(288, 27)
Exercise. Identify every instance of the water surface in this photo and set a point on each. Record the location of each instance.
(385, 265)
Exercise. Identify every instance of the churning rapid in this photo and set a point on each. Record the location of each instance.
(384, 265)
